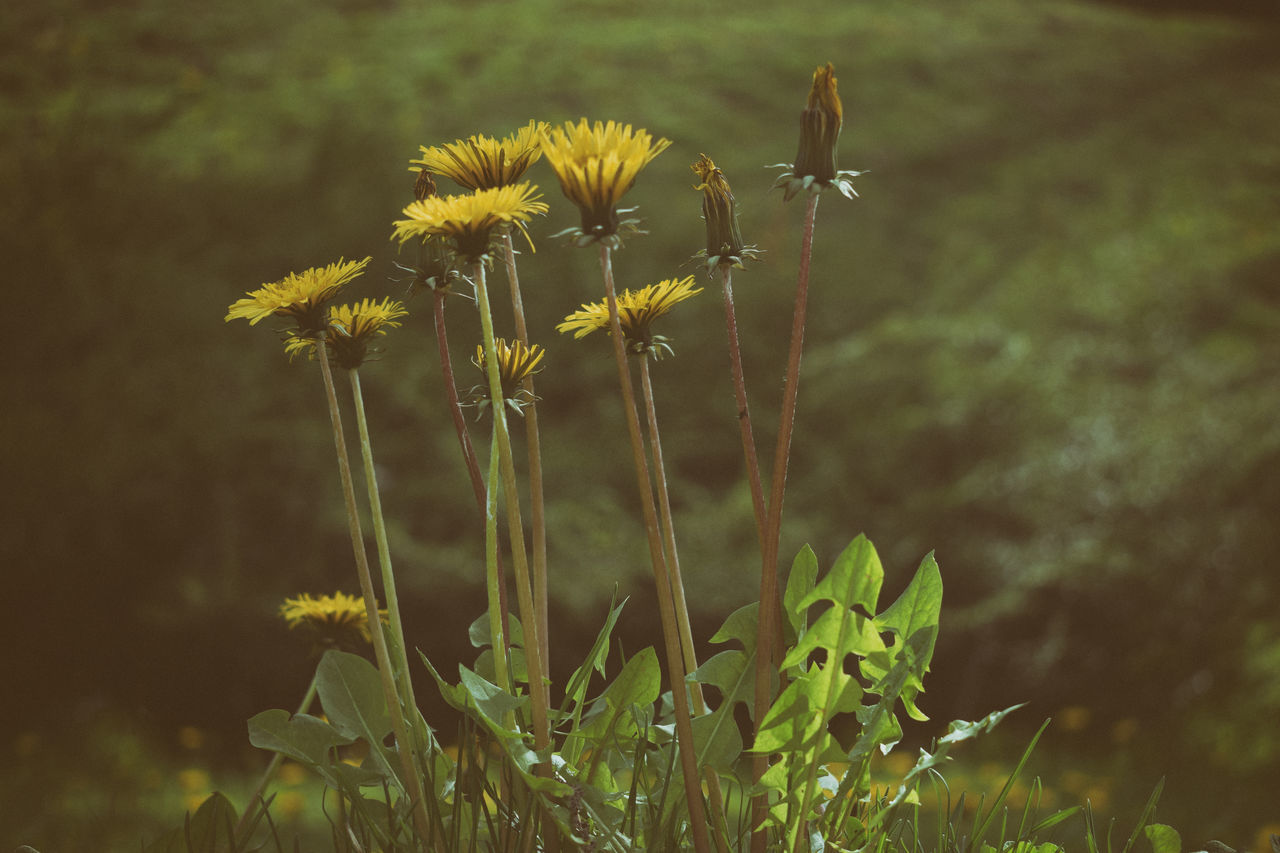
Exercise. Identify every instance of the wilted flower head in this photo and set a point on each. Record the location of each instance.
(516, 362)
(483, 162)
(637, 309)
(724, 240)
(597, 164)
(337, 620)
(820, 123)
(301, 296)
(352, 329)
(467, 221)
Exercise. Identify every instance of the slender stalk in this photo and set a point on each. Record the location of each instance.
(464, 442)
(537, 505)
(538, 692)
(251, 808)
(677, 590)
(768, 649)
(666, 606)
(413, 787)
(744, 414)
(497, 628)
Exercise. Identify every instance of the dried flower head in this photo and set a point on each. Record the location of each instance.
(516, 362)
(597, 164)
(468, 221)
(338, 620)
(719, 211)
(820, 122)
(637, 309)
(352, 330)
(302, 296)
(482, 162)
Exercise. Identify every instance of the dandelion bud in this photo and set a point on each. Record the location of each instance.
(724, 240)
(820, 129)
(424, 186)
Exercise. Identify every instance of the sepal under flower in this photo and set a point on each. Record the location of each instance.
(719, 211)
(516, 362)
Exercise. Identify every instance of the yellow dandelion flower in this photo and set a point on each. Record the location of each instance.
(637, 309)
(352, 329)
(467, 221)
(820, 122)
(724, 240)
(482, 162)
(597, 164)
(516, 362)
(301, 296)
(338, 619)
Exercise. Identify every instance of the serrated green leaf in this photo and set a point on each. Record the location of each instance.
(854, 580)
(301, 737)
(741, 626)
(840, 633)
(489, 699)
(919, 606)
(350, 690)
(960, 730)
(1164, 839)
(804, 572)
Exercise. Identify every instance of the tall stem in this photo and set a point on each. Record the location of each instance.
(464, 442)
(744, 413)
(666, 606)
(412, 784)
(497, 622)
(677, 588)
(538, 692)
(537, 505)
(767, 646)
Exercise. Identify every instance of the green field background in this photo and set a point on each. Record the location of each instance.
(1044, 344)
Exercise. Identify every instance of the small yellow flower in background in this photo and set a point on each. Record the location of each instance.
(352, 328)
(190, 737)
(516, 361)
(482, 162)
(637, 309)
(820, 122)
(338, 619)
(302, 296)
(720, 212)
(467, 221)
(597, 164)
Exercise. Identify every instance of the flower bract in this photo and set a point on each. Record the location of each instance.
(352, 329)
(597, 164)
(301, 296)
(719, 210)
(482, 162)
(637, 309)
(337, 620)
(468, 221)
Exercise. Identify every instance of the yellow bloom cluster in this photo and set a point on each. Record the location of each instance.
(301, 296)
(337, 618)
(467, 221)
(352, 329)
(637, 309)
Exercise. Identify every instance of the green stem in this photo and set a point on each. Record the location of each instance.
(538, 692)
(677, 589)
(666, 605)
(537, 505)
(251, 809)
(411, 782)
(768, 648)
(464, 442)
(497, 626)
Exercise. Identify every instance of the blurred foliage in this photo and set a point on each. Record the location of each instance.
(1044, 341)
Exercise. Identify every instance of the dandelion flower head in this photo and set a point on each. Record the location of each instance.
(301, 296)
(467, 221)
(338, 619)
(482, 162)
(597, 164)
(352, 330)
(517, 361)
(637, 309)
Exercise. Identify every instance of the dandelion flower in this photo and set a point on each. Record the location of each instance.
(352, 328)
(724, 240)
(301, 296)
(820, 122)
(516, 362)
(483, 162)
(596, 165)
(637, 309)
(338, 619)
(467, 221)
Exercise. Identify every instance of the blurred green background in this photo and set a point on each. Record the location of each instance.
(1043, 343)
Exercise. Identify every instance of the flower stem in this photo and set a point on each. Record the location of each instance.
(744, 414)
(767, 646)
(251, 808)
(468, 452)
(537, 505)
(538, 692)
(666, 606)
(678, 593)
(412, 786)
(497, 622)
